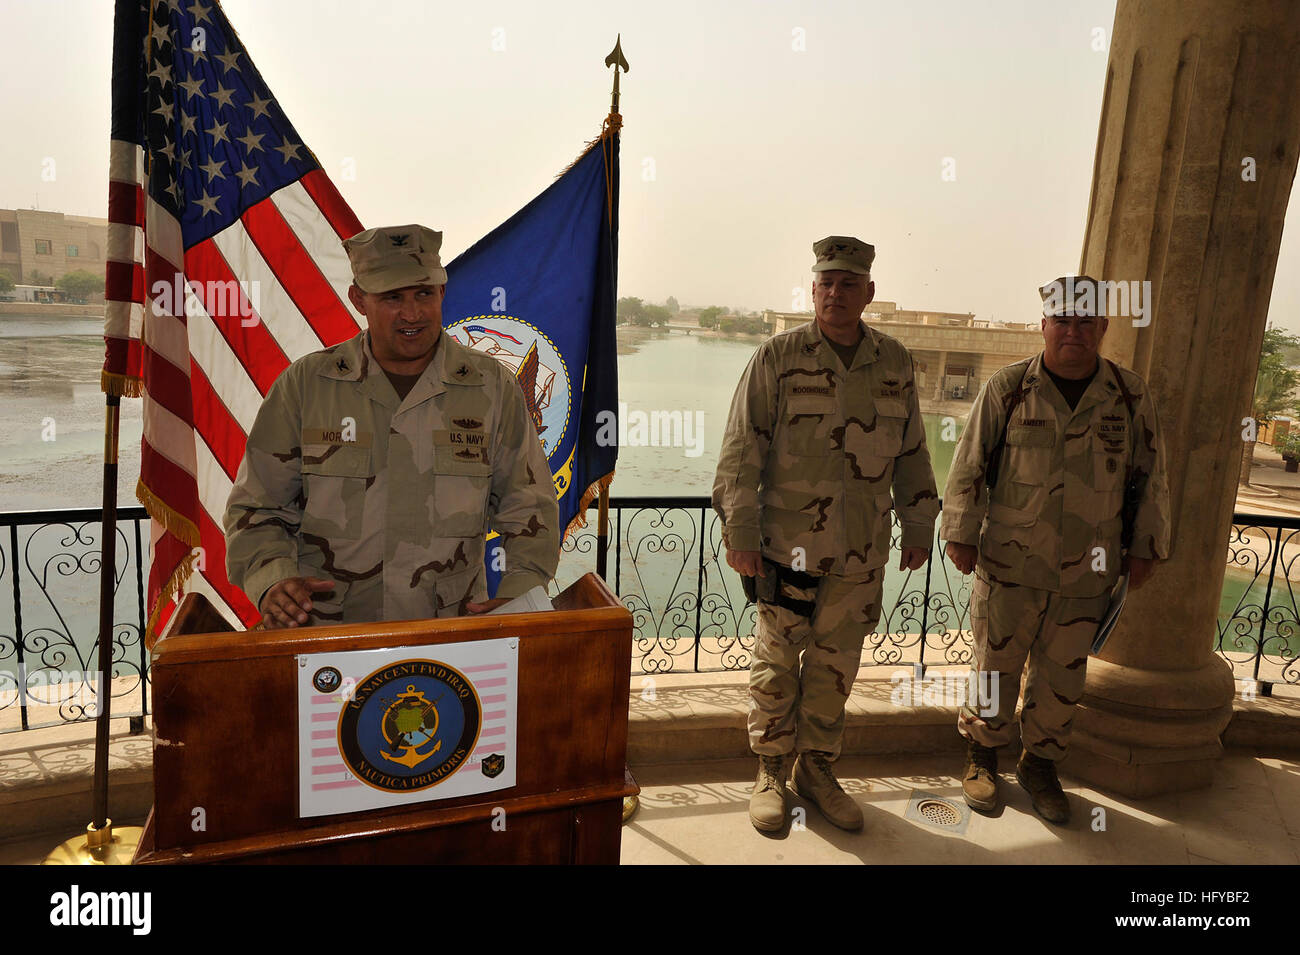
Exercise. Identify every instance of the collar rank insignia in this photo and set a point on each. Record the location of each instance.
(342, 364)
(493, 765)
(810, 348)
(462, 371)
(399, 240)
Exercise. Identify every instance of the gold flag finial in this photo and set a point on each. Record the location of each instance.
(618, 61)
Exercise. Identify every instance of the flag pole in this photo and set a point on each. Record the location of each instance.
(101, 844)
(614, 122)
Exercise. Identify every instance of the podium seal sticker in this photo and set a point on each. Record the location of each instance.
(492, 765)
(327, 679)
(409, 725)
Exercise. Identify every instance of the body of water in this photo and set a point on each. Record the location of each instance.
(52, 416)
(51, 446)
(667, 372)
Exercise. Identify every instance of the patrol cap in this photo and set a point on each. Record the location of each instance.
(395, 256)
(1072, 295)
(845, 253)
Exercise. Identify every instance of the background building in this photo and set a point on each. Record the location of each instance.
(954, 352)
(50, 244)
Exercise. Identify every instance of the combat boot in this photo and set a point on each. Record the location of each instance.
(979, 783)
(814, 781)
(767, 804)
(1038, 777)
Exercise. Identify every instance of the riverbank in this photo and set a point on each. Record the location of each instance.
(55, 310)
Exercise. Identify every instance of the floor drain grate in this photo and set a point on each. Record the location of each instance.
(937, 812)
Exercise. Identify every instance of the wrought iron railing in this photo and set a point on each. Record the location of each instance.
(667, 564)
(1259, 627)
(49, 657)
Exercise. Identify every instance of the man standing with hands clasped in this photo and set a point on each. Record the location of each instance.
(825, 421)
(1057, 487)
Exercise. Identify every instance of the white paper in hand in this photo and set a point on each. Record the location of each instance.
(532, 602)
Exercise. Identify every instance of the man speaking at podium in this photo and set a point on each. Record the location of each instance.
(375, 467)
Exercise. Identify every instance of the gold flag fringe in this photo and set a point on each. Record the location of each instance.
(593, 491)
(123, 386)
(169, 590)
(608, 128)
(177, 524)
(182, 528)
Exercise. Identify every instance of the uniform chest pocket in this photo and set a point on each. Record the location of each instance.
(335, 479)
(886, 438)
(462, 478)
(807, 424)
(1022, 480)
(1029, 454)
(1109, 459)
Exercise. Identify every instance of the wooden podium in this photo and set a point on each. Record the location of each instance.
(226, 746)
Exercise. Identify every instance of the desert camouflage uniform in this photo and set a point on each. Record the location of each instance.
(810, 455)
(397, 514)
(1049, 545)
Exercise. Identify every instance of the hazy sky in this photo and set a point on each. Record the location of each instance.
(739, 149)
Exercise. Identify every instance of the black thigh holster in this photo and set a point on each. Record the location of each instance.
(767, 589)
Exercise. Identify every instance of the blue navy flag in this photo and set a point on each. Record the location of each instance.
(538, 293)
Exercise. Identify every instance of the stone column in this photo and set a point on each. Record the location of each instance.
(1196, 153)
(938, 386)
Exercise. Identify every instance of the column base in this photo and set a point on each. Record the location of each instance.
(1147, 732)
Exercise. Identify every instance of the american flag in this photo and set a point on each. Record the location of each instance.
(225, 265)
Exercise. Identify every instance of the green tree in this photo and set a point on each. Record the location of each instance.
(657, 315)
(672, 305)
(1275, 381)
(80, 285)
(709, 316)
(6, 283)
(38, 278)
(631, 311)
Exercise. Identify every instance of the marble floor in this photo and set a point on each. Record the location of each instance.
(697, 813)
